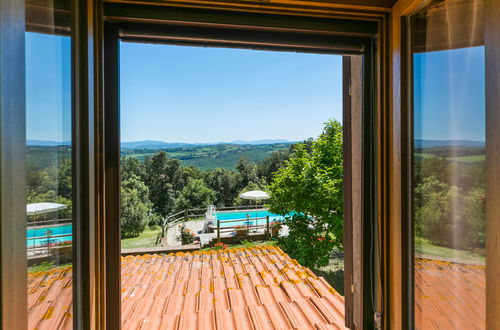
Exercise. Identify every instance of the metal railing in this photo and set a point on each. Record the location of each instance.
(245, 227)
(46, 241)
(41, 223)
(240, 207)
(194, 213)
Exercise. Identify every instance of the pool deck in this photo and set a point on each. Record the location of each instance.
(196, 226)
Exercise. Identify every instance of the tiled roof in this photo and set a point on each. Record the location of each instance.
(250, 288)
(449, 295)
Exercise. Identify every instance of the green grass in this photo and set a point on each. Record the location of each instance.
(245, 244)
(146, 239)
(423, 247)
(45, 266)
(460, 159)
(333, 273)
(468, 159)
(424, 156)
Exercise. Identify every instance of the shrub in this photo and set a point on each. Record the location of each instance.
(133, 213)
(220, 246)
(186, 236)
(195, 194)
(307, 242)
(154, 227)
(248, 244)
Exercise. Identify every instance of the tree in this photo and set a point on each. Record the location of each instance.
(308, 192)
(474, 218)
(225, 184)
(433, 217)
(270, 165)
(131, 166)
(161, 175)
(194, 195)
(446, 216)
(247, 172)
(134, 211)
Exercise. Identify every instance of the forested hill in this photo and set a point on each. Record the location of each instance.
(213, 156)
(203, 156)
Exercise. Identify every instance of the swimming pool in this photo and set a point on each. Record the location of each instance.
(31, 233)
(244, 215)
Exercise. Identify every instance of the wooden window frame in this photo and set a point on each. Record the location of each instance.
(92, 291)
(95, 156)
(202, 27)
(13, 263)
(399, 250)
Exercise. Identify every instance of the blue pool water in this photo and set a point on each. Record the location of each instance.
(243, 215)
(42, 231)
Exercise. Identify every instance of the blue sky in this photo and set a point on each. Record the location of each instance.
(196, 94)
(193, 94)
(449, 95)
(48, 87)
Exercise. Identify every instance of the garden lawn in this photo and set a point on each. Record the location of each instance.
(146, 239)
(333, 273)
(424, 248)
(45, 266)
(244, 244)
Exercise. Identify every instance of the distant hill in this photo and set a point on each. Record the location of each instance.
(158, 145)
(155, 145)
(205, 157)
(212, 156)
(45, 143)
(259, 142)
(447, 143)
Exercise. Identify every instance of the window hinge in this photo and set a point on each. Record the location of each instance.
(378, 320)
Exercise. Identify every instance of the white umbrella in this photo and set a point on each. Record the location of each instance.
(255, 195)
(42, 208)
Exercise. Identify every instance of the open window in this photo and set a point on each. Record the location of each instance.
(184, 29)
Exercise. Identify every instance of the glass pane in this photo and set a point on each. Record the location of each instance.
(49, 229)
(449, 165)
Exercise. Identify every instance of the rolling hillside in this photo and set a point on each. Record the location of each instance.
(202, 156)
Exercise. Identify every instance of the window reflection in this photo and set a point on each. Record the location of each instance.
(449, 166)
(49, 229)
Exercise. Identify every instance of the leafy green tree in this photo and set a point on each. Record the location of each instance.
(474, 218)
(445, 216)
(274, 162)
(247, 172)
(432, 211)
(187, 173)
(134, 211)
(438, 167)
(225, 184)
(64, 179)
(131, 166)
(161, 175)
(194, 195)
(308, 192)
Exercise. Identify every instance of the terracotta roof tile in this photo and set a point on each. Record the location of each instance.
(449, 295)
(255, 288)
